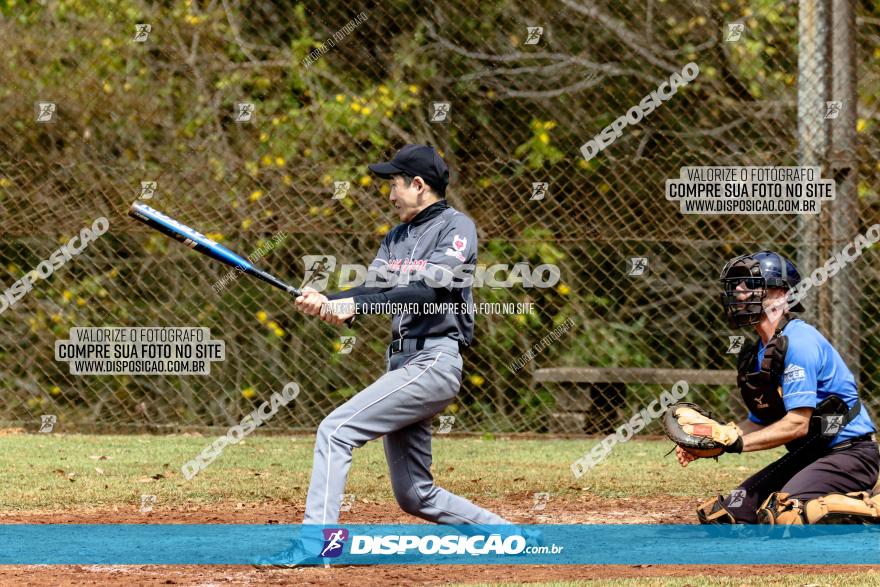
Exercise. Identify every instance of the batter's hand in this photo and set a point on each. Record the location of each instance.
(684, 457)
(310, 302)
(336, 312)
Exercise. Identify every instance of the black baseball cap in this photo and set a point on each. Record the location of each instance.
(417, 160)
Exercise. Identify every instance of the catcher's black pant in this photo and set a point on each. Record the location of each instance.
(807, 474)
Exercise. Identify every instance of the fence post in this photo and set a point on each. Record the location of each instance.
(843, 163)
(813, 73)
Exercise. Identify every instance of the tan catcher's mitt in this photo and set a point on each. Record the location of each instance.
(690, 427)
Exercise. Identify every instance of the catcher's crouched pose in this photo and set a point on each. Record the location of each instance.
(799, 393)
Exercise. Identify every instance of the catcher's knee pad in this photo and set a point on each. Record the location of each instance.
(714, 512)
(779, 509)
(853, 508)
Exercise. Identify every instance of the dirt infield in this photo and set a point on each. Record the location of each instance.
(372, 576)
(587, 510)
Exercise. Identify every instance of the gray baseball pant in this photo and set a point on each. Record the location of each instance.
(400, 405)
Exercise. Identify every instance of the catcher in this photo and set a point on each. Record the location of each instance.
(800, 394)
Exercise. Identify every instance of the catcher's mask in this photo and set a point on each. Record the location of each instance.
(758, 272)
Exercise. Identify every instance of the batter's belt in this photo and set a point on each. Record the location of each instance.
(412, 345)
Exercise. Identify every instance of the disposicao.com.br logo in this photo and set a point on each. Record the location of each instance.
(475, 545)
(417, 544)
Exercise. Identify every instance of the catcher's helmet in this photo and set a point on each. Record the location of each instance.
(758, 271)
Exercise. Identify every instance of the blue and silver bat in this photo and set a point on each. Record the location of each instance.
(199, 242)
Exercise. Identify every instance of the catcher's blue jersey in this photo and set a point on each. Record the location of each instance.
(813, 371)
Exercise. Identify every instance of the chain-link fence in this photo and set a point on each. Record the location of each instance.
(160, 93)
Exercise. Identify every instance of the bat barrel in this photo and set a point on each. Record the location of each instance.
(199, 242)
(186, 235)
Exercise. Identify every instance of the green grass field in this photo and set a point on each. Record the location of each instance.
(113, 470)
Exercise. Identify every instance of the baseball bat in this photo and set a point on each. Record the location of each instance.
(202, 244)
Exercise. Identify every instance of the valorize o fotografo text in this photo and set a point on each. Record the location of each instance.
(750, 190)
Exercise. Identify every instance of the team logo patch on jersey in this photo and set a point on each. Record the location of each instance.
(407, 265)
(458, 245)
(793, 373)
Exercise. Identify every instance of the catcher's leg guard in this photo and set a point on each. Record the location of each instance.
(779, 509)
(714, 512)
(858, 507)
(853, 508)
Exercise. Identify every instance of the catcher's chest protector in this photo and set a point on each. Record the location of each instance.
(762, 390)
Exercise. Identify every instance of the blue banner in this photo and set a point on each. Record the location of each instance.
(629, 544)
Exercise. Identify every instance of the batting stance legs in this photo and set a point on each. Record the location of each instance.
(399, 406)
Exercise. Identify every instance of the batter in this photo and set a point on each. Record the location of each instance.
(423, 362)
